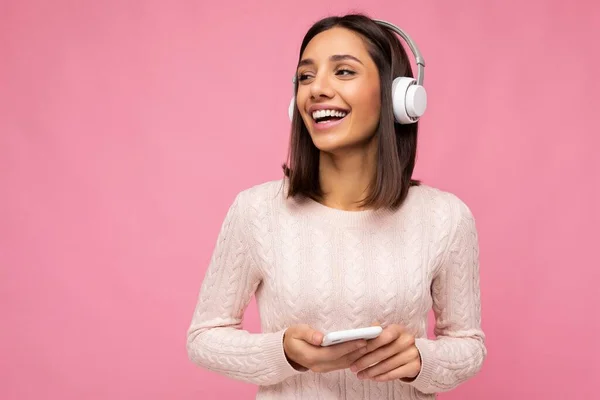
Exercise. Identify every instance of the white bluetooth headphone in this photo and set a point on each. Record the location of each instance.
(409, 97)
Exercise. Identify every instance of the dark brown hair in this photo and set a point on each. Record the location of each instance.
(397, 146)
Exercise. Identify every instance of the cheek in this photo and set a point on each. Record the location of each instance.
(374, 102)
(370, 107)
(301, 98)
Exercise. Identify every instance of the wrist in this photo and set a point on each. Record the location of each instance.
(292, 363)
(410, 379)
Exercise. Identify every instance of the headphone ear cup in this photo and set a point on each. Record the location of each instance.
(409, 100)
(291, 108)
(416, 101)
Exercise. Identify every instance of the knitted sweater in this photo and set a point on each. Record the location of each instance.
(334, 269)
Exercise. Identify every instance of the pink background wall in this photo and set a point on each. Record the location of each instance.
(126, 130)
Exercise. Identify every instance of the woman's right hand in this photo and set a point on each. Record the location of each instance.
(302, 347)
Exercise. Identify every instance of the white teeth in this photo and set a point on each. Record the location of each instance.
(328, 113)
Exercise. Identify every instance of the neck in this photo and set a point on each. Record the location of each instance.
(345, 176)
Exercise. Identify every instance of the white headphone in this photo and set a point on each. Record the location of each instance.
(409, 97)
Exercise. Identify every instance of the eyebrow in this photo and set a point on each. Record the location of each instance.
(335, 57)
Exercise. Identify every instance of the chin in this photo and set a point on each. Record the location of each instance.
(330, 142)
(333, 143)
(340, 138)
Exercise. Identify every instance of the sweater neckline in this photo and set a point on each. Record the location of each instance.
(351, 218)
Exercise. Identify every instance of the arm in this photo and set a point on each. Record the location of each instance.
(458, 351)
(215, 339)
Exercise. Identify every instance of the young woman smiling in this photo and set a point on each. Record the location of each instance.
(346, 239)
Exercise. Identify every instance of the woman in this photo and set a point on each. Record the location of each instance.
(347, 239)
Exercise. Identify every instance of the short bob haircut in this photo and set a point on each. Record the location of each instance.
(397, 145)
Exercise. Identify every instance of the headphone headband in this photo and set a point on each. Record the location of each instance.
(419, 60)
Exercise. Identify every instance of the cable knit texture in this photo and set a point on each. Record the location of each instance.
(334, 269)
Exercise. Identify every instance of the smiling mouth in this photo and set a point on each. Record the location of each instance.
(325, 116)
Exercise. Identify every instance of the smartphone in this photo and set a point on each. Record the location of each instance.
(337, 337)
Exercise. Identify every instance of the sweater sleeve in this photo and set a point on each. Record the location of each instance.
(215, 339)
(458, 351)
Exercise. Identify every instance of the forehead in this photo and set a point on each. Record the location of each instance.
(336, 41)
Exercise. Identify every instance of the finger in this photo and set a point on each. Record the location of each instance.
(389, 364)
(332, 354)
(378, 355)
(410, 370)
(350, 358)
(342, 362)
(316, 338)
(340, 350)
(388, 335)
(339, 356)
(403, 342)
(309, 335)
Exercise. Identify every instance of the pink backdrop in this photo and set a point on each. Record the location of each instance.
(127, 129)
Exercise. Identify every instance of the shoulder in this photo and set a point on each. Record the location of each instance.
(261, 192)
(449, 218)
(441, 204)
(259, 197)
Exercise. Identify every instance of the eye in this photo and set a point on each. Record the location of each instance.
(345, 72)
(303, 77)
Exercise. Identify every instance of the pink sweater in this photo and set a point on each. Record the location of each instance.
(334, 269)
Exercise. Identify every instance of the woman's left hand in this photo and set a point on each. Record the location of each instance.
(394, 354)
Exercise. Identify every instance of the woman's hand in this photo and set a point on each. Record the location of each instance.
(302, 347)
(394, 354)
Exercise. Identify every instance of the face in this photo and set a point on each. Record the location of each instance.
(338, 90)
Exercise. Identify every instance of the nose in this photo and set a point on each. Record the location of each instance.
(320, 87)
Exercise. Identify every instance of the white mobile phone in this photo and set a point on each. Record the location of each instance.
(337, 337)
